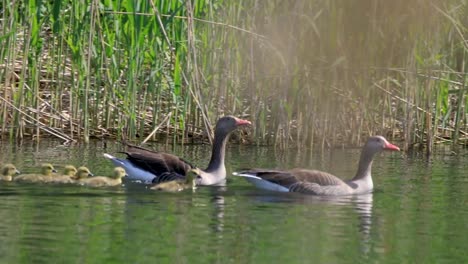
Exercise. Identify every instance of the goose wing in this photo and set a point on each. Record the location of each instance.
(297, 180)
(168, 177)
(156, 162)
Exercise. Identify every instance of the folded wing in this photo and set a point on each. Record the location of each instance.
(156, 162)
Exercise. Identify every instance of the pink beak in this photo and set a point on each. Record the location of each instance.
(390, 146)
(241, 122)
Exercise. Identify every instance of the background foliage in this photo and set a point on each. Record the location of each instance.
(305, 72)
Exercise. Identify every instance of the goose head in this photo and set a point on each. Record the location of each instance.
(192, 176)
(47, 169)
(69, 170)
(82, 173)
(119, 173)
(377, 144)
(9, 170)
(227, 124)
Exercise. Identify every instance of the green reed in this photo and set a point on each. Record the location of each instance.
(307, 73)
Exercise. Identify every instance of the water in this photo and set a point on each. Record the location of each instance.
(417, 214)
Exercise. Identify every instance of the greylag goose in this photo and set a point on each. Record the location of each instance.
(46, 174)
(103, 181)
(318, 182)
(155, 167)
(179, 184)
(8, 171)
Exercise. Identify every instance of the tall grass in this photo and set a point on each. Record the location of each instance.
(307, 73)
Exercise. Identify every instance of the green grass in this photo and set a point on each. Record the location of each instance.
(307, 73)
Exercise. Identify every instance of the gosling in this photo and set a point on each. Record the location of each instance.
(82, 173)
(102, 181)
(71, 175)
(179, 185)
(46, 175)
(8, 171)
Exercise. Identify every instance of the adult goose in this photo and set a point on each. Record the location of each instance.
(155, 167)
(318, 182)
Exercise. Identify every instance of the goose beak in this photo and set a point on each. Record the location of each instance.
(17, 172)
(90, 174)
(390, 146)
(241, 122)
(54, 171)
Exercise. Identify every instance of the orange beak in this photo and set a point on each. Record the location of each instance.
(241, 122)
(390, 146)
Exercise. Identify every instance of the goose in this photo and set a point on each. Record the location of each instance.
(47, 171)
(179, 184)
(82, 173)
(318, 182)
(8, 171)
(155, 167)
(69, 170)
(71, 174)
(102, 181)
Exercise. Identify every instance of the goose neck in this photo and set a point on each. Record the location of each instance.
(365, 166)
(218, 152)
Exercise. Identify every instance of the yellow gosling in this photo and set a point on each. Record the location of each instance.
(8, 171)
(69, 171)
(179, 185)
(46, 175)
(71, 174)
(82, 173)
(102, 181)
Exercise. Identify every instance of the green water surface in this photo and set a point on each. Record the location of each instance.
(418, 212)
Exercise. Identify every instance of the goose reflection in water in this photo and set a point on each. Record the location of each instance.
(219, 204)
(362, 205)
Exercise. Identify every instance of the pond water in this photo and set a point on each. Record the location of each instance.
(417, 214)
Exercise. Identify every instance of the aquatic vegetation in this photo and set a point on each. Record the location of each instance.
(307, 73)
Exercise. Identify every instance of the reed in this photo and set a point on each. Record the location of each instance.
(307, 73)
